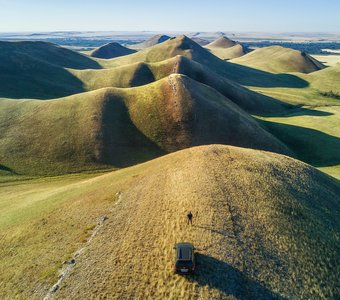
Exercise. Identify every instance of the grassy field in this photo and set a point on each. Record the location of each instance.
(279, 239)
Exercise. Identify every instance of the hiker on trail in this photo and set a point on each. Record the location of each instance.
(189, 217)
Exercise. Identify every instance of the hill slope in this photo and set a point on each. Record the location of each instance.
(111, 50)
(256, 238)
(326, 81)
(277, 59)
(225, 48)
(119, 127)
(38, 70)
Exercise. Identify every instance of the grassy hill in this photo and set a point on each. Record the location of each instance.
(277, 59)
(120, 127)
(221, 42)
(225, 48)
(111, 50)
(38, 70)
(184, 46)
(256, 238)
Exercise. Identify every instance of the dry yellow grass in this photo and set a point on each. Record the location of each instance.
(264, 224)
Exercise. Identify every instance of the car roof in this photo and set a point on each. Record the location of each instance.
(184, 251)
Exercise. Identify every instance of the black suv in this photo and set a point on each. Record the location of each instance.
(185, 258)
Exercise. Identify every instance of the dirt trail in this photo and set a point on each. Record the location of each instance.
(70, 264)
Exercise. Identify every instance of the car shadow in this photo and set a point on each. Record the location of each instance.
(217, 274)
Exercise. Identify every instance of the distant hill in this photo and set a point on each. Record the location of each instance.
(39, 70)
(157, 39)
(184, 46)
(120, 127)
(200, 41)
(222, 42)
(111, 50)
(262, 222)
(225, 48)
(277, 59)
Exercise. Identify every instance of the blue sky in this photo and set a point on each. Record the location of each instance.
(171, 15)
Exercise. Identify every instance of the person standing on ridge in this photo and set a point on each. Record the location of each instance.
(189, 217)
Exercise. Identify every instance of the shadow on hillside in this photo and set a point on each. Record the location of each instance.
(40, 84)
(297, 110)
(220, 275)
(311, 146)
(123, 143)
(37, 70)
(253, 77)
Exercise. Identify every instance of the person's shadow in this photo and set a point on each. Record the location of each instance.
(221, 276)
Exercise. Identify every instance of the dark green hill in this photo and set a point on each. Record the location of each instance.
(38, 70)
(155, 40)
